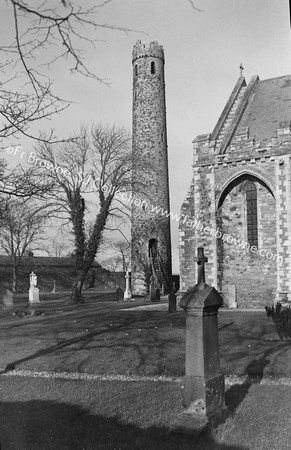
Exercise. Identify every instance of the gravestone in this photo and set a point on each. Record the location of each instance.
(33, 290)
(127, 293)
(54, 288)
(157, 295)
(204, 392)
(172, 298)
(7, 298)
(230, 296)
(154, 290)
(119, 294)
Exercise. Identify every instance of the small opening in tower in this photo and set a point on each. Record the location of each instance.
(162, 137)
(135, 70)
(153, 68)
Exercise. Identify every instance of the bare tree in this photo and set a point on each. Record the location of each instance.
(112, 263)
(22, 182)
(120, 258)
(92, 178)
(21, 228)
(45, 32)
(61, 243)
(123, 249)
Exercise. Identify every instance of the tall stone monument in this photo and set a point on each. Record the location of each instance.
(151, 240)
(203, 394)
(127, 292)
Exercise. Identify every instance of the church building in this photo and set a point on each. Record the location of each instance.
(238, 206)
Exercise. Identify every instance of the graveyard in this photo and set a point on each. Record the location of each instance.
(109, 374)
(145, 288)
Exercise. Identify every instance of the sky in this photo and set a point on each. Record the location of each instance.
(203, 52)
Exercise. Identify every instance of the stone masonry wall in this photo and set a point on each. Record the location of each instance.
(253, 275)
(218, 201)
(150, 163)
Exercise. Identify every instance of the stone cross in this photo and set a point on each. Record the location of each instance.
(201, 260)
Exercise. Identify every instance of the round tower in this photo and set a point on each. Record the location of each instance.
(151, 239)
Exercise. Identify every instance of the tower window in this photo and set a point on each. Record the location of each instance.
(252, 213)
(162, 137)
(153, 68)
(135, 70)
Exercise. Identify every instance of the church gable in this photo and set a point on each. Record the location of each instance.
(241, 199)
(268, 110)
(256, 116)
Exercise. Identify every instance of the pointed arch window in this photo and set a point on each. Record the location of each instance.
(135, 70)
(252, 213)
(153, 68)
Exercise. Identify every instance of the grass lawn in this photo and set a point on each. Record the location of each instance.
(80, 415)
(97, 337)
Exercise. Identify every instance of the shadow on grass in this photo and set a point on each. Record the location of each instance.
(45, 425)
(96, 340)
(236, 394)
(85, 339)
(249, 336)
(99, 338)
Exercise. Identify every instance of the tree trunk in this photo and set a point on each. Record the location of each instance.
(92, 279)
(14, 279)
(76, 294)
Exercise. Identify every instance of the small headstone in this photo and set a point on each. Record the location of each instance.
(157, 294)
(154, 290)
(33, 290)
(231, 296)
(54, 288)
(119, 294)
(172, 298)
(7, 299)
